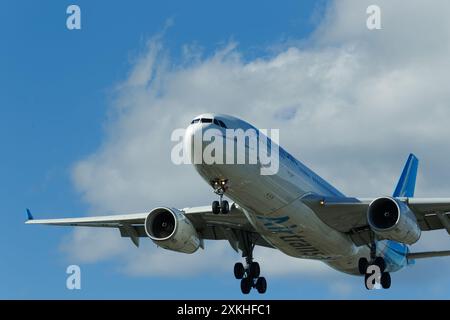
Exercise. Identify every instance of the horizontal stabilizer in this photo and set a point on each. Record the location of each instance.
(430, 254)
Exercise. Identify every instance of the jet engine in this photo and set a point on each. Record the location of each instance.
(393, 220)
(172, 230)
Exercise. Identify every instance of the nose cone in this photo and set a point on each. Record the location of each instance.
(188, 141)
(193, 142)
(197, 142)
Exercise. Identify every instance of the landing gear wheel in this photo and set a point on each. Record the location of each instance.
(239, 270)
(379, 261)
(362, 265)
(385, 280)
(225, 207)
(246, 285)
(220, 186)
(254, 270)
(216, 207)
(366, 277)
(261, 285)
(250, 276)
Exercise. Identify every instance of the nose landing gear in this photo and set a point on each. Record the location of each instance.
(221, 206)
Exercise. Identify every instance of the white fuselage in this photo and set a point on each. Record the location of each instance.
(273, 204)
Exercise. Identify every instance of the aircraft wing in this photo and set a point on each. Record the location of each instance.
(113, 221)
(231, 226)
(349, 215)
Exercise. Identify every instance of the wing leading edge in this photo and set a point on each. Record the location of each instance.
(232, 226)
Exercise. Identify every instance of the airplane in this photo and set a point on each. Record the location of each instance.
(294, 211)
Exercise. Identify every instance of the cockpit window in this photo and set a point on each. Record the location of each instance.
(209, 120)
(222, 124)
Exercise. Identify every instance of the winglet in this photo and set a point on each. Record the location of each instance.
(29, 215)
(407, 182)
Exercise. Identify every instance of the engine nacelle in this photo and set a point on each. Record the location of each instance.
(393, 220)
(172, 230)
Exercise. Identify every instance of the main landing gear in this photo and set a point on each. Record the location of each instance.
(221, 206)
(249, 275)
(363, 265)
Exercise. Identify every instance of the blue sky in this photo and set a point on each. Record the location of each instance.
(57, 92)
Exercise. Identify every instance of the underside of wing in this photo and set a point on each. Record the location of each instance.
(349, 215)
(341, 214)
(98, 221)
(431, 213)
(233, 226)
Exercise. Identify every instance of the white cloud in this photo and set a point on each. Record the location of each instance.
(351, 103)
(88, 245)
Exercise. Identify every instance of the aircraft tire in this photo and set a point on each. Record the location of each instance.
(216, 207)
